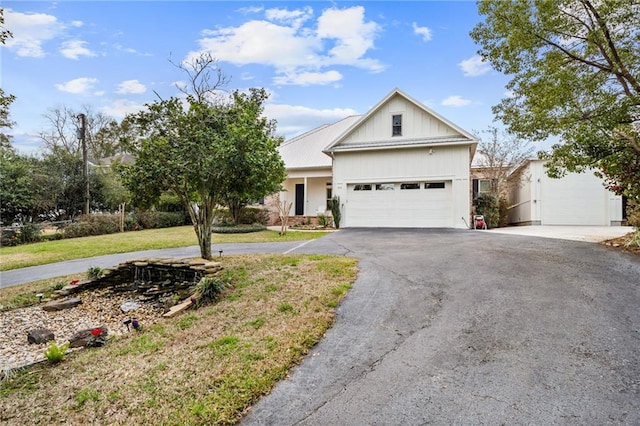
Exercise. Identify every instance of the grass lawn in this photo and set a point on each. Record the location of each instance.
(75, 248)
(207, 366)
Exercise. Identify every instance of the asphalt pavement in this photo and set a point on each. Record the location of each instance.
(461, 327)
(33, 273)
(453, 327)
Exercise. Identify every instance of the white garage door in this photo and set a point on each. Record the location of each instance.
(399, 205)
(576, 199)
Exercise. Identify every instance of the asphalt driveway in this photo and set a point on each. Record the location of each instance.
(469, 327)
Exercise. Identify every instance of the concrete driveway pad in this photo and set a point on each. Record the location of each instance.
(471, 327)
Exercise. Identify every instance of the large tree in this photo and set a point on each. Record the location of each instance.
(61, 135)
(5, 100)
(196, 148)
(575, 70)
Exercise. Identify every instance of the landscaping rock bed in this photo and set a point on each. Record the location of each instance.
(141, 289)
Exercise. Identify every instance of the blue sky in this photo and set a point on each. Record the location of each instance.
(321, 61)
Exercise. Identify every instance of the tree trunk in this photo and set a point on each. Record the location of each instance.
(202, 220)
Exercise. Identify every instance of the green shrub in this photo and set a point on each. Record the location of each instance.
(55, 353)
(334, 205)
(633, 213)
(155, 219)
(9, 237)
(29, 233)
(243, 229)
(92, 224)
(324, 220)
(209, 288)
(503, 212)
(248, 216)
(94, 272)
(487, 205)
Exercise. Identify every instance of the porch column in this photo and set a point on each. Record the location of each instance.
(305, 196)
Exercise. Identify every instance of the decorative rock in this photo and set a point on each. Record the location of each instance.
(129, 305)
(59, 305)
(84, 337)
(39, 335)
(179, 308)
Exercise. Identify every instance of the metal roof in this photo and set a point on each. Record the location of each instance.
(306, 150)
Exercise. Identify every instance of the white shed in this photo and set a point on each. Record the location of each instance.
(575, 199)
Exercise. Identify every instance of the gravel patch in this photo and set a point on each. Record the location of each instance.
(98, 308)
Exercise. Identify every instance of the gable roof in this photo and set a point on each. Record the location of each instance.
(306, 150)
(462, 136)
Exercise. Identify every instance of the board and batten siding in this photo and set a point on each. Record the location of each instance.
(575, 199)
(416, 123)
(436, 164)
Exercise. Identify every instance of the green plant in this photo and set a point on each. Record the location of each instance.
(334, 205)
(324, 220)
(85, 395)
(55, 353)
(29, 233)
(57, 286)
(94, 272)
(634, 241)
(209, 288)
(487, 205)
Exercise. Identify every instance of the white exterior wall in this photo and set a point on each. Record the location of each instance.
(416, 123)
(575, 199)
(445, 163)
(315, 192)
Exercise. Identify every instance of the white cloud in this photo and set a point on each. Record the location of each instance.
(295, 45)
(295, 119)
(77, 86)
(353, 36)
(309, 78)
(295, 18)
(73, 49)
(121, 107)
(77, 24)
(30, 32)
(455, 101)
(260, 42)
(131, 86)
(425, 32)
(474, 66)
(250, 9)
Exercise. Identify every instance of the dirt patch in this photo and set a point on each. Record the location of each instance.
(623, 243)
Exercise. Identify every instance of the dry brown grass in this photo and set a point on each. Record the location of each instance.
(205, 367)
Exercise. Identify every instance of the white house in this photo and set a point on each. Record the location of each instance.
(575, 199)
(399, 165)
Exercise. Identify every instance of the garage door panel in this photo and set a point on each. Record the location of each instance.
(399, 207)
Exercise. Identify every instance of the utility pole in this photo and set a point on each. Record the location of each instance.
(85, 161)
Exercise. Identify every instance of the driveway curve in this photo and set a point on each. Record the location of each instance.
(469, 327)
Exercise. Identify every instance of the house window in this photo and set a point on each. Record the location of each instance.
(484, 186)
(329, 195)
(409, 186)
(365, 187)
(434, 185)
(385, 187)
(396, 121)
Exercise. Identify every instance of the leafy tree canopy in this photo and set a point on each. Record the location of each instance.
(574, 68)
(204, 150)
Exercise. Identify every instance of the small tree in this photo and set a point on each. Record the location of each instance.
(201, 153)
(334, 205)
(498, 154)
(284, 207)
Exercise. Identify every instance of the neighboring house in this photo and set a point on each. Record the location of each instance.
(399, 165)
(575, 199)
